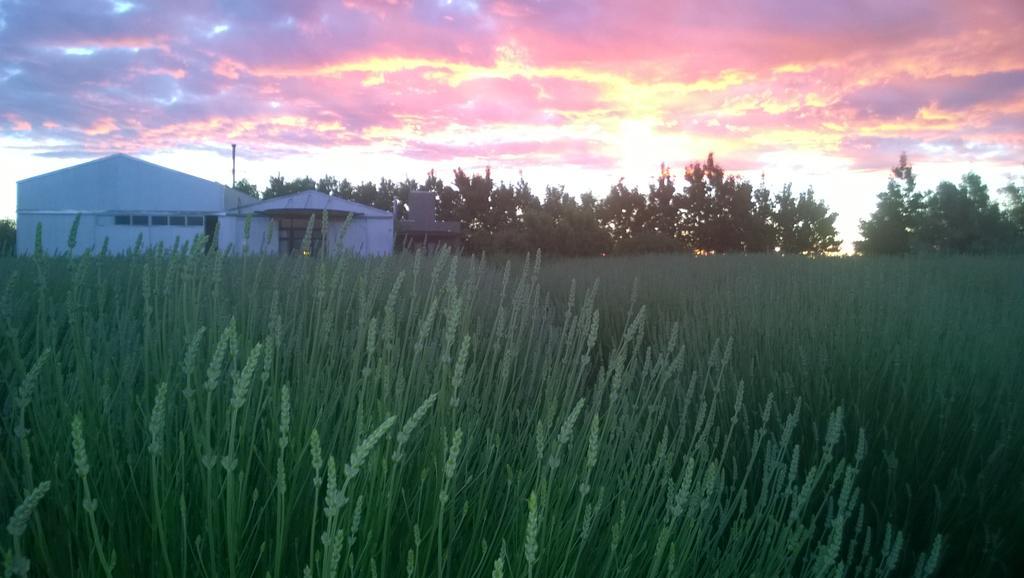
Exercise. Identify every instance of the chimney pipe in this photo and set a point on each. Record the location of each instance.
(232, 165)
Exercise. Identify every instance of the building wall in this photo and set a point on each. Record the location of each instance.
(120, 187)
(365, 236)
(55, 229)
(232, 235)
(93, 230)
(117, 185)
(258, 241)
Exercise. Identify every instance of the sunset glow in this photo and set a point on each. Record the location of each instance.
(576, 92)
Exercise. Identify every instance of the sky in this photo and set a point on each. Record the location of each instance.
(575, 92)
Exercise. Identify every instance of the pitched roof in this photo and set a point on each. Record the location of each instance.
(119, 157)
(313, 201)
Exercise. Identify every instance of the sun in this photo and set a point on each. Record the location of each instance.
(643, 143)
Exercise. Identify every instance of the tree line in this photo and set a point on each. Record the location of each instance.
(707, 212)
(952, 218)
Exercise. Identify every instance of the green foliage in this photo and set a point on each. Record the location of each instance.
(713, 213)
(561, 225)
(197, 416)
(622, 213)
(8, 236)
(763, 235)
(964, 220)
(804, 224)
(1015, 196)
(663, 210)
(727, 209)
(950, 219)
(248, 188)
(893, 226)
(279, 187)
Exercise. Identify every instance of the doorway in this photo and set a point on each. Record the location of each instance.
(210, 230)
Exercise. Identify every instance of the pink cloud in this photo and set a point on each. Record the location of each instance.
(16, 123)
(752, 79)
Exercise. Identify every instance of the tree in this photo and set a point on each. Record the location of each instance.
(786, 220)
(8, 236)
(718, 210)
(964, 219)
(474, 208)
(622, 214)
(591, 238)
(1015, 213)
(803, 224)
(558, 225)
(328, 184)
(697, 203)
(816, 233)
(714, 212)
(762, 238)
(662, 216)
(278, 186)
(344, 190)
(731, 219)
(891, 228)
(247, 188)
(448, 203)
(366, 194)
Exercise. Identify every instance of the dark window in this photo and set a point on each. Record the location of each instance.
(159, 220)
(140, 219)
(210, 228)
(122, 220)
(195, 221)
(292, 232)
(177, 221)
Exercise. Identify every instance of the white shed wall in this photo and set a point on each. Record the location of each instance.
(121, 185)
(92, 231)
(55, 229)
(232, 235)
(366, 236)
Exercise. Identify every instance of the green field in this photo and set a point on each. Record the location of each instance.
(203, 415)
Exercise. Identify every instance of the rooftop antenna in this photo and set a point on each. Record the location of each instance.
(233, 165)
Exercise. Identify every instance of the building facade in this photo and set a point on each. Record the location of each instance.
(121, 201)
(421, 229)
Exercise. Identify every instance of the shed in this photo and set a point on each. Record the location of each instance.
(421, 227)
(351, 226)
(122, 201)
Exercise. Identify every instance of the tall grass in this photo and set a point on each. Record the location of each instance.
(180, 414)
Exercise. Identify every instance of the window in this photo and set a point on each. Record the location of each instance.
(291, 233)
(140, 219)
(194, 221)
(177, 221)
(159, 220)
(122, 220)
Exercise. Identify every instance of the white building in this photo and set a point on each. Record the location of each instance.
(120, 198)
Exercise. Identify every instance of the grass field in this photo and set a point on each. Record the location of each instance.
(202, 415)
